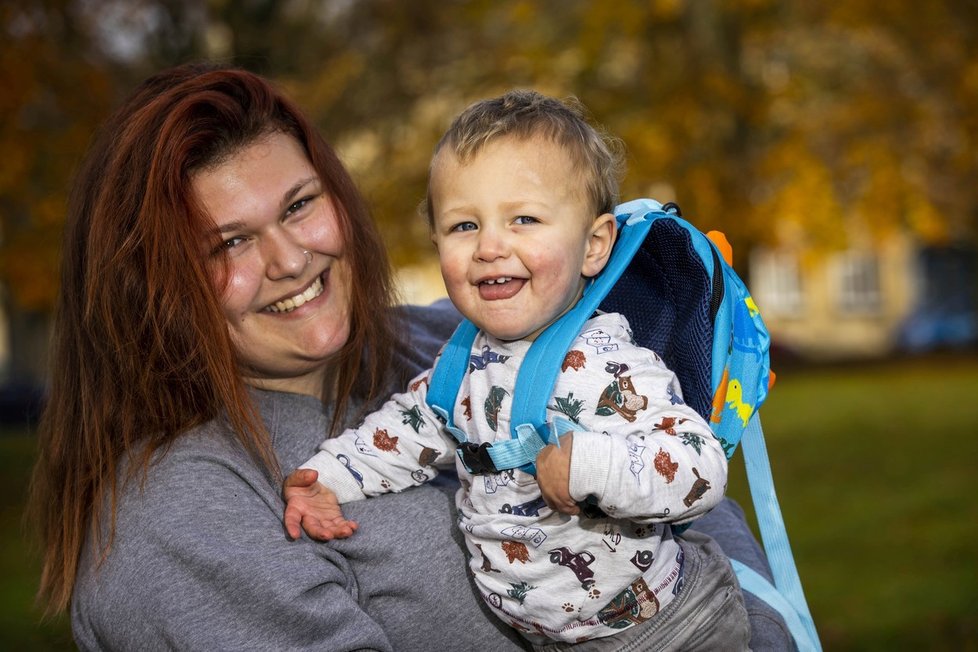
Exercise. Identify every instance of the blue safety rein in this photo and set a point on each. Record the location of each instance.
(538, 372)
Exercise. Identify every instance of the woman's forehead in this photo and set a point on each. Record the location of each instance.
(262, 176)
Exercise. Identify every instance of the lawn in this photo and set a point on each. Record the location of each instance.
(875, 471)
(21, 627)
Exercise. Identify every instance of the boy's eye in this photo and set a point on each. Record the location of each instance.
(525, 219)
(463, 226)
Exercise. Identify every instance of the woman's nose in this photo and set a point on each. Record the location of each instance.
(284, 258)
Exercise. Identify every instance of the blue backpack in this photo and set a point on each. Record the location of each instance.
(683, 300)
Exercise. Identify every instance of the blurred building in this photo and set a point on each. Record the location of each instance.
(23, 360)
(868, 302)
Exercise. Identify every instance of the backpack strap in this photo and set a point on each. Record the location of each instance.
(541, 366)
(789, 597)
(539, 369)
(447, 375)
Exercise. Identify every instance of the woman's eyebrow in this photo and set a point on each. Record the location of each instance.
(228, 226)
(290, 194)
(287, 199)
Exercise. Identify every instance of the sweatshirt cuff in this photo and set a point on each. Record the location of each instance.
(335, 475)
(590, 465)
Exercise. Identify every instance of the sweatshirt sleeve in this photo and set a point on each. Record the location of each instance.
(199, 561)
(401, 445)
(665, 465)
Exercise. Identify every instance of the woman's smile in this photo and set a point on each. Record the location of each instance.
(313, 291)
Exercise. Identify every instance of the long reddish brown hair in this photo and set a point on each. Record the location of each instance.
(141, 352)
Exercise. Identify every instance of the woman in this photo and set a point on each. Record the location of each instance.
(226, 300)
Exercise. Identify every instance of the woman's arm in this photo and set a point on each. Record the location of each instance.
(200, 561)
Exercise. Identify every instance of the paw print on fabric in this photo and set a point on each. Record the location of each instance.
(568, 607)
(385, 484)
(594, 594)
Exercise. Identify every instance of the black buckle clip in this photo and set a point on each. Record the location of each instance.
(476, 458)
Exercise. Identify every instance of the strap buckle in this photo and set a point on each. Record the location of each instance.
(475, 457)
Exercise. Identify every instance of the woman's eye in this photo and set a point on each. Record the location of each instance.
(230, 243)
(463, 226)
(297, 206)
(525, 219)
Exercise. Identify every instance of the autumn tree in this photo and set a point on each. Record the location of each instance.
(819, 122)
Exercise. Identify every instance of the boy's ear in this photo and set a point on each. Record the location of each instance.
(601, 238)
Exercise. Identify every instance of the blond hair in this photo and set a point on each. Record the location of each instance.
(525, 114)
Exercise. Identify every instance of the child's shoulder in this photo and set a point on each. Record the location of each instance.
(605, 329)
(608, 335)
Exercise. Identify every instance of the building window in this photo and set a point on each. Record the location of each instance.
(776, 282)
(857, 277)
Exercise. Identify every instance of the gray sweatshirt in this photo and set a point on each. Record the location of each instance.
(200, 560)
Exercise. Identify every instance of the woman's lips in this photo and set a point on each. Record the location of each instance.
(288, 305)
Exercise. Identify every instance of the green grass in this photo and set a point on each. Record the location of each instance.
(21, 627)
(875, 469)
(875, 472)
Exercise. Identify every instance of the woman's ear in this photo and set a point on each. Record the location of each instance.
(600, 240)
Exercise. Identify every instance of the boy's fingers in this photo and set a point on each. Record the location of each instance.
(301, 478)
(327, 531)
(292, 522)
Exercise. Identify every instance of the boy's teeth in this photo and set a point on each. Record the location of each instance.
(290, 304)
(503, 279)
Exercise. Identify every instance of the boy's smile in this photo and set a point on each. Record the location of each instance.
(516, 235)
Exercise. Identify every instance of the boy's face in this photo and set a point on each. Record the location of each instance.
(516, 235)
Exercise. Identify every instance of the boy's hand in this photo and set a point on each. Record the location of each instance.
(313, 507)
(553, 475)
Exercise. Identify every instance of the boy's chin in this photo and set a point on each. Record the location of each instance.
(510, 333)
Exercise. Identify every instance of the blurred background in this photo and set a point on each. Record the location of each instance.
(836, 144)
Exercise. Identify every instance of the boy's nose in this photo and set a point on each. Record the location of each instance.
(492, 245)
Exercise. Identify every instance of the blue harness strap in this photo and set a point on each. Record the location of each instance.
(446, 377)
(538, 371)
(793, 607)
(541, 366)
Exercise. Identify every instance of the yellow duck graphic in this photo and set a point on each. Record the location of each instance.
(752, 307)
(735, 399)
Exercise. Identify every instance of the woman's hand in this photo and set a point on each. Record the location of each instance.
(314, 507)
(553, 475)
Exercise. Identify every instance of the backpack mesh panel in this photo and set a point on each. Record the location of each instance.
(665, 295)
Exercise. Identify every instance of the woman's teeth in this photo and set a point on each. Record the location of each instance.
(288, 305)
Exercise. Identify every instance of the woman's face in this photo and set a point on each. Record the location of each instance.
(286, 297)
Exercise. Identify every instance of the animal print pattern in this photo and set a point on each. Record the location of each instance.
(642, 459)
